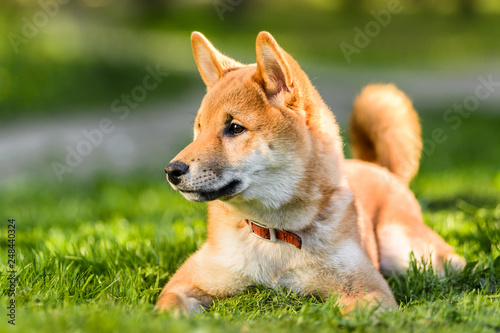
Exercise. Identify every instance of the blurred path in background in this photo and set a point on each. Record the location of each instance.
(151, 135)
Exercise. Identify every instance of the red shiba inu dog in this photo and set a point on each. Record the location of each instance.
(285, 209)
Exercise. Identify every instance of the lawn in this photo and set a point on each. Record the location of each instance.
(92, 255)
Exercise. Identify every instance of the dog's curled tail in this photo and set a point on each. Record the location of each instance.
(384, 129)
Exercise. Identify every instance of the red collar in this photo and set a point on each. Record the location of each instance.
(274, 234)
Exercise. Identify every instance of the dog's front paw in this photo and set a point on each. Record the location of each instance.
(172, 303)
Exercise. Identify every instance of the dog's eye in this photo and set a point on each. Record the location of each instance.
(235, 129)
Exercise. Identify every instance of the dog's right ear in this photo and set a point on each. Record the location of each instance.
(211, 63)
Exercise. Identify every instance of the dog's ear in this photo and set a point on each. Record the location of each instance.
(211, 63)
(273, 70)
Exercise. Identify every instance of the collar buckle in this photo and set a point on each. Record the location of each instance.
(271, 232)
(272, 235)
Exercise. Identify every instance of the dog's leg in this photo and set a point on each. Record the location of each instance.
(195, 285)
(182, 294)
(376, 300)
(362, 289)
(351, 275)
(369, 292)
(397, 219)
(400, 231)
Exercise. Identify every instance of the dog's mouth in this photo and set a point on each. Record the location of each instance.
(225, 192)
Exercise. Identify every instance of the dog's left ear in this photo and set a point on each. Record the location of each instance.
(211, 63)
(273, 70)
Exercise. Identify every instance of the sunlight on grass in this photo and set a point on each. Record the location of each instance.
(94, 255)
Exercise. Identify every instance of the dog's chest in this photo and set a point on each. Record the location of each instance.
(274, 264)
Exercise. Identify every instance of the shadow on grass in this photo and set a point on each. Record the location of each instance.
(457, 202)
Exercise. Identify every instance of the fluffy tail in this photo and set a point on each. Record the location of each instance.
(384, 129)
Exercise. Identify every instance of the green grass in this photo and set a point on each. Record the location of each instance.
(93, 255)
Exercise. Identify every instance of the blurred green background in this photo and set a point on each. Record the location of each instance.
(73, 55)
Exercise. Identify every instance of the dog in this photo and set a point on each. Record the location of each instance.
(285, 209)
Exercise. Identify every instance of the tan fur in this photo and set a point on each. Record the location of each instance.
(283, 167)
(384, 129)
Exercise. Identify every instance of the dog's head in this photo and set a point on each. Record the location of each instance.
(251, 137)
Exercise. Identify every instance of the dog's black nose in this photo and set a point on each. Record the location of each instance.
(175, 171)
